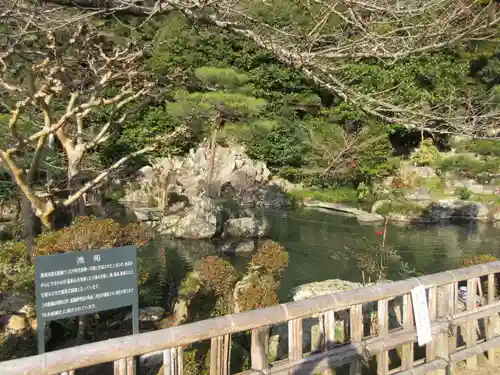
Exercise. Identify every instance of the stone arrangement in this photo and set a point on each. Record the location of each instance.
(173, 195)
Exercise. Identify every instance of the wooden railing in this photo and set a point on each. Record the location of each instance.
(459, 334)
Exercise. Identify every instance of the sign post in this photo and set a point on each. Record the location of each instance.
(85, 282)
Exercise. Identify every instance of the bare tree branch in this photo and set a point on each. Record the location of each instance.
(345, 31)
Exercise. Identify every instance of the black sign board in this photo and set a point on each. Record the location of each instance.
(85, 282)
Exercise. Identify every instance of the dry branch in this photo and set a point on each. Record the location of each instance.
(79, 88)
(340, 32)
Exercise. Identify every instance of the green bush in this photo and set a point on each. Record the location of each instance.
(426, 154)
(482, 170)
(280, 147)
(88, 233)
(482, 147)
(363, 192)
(434, 184)
(332, 195)
(17, 275)
(399, 207)
(216, 275)
(463, 193)
(270, 259)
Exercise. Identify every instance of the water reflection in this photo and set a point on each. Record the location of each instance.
(312, 236)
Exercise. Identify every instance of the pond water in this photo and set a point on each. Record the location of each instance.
(312, 237)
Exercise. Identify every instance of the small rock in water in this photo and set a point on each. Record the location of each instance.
(246, 227)
(149, 314)
(245, 246)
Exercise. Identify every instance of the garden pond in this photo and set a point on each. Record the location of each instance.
(313, 238)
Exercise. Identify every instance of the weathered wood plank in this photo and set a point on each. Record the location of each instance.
(430, 348)
(219, 355)
(321, 328)
(258, 349)
(444, 296)
(408, 322)
(295, 339)
(491, 320)
(329, 325)
(453, 330)
(173, 361)
(383, 329)
(470, 340)
(180, 360)
(356, 323)
(120, 367)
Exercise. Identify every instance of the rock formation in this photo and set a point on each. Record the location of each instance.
(235, 176)
(172, 195)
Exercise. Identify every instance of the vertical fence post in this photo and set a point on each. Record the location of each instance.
(173, 361)
(453, 334)
(120, 367)
(356, 323)
(258, 350)
(329, 329)
(407, 357)
(430, 348)
(321, 328)
(491, 320)
(470, 340)
(383, 329)
(219, 355)
(445, 293)
(329, 334)
(295, 339)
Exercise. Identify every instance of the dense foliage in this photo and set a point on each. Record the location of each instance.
(301, 131)
(304, 132)
(86, 234)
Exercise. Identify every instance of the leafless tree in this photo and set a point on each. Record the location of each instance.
(330, 33)
(78, 85)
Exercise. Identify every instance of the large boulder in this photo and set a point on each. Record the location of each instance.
(197, 221)
(19, 304)
(460, 209)
(246, 227)
(17, 317)
(333, 286)
(233, 172)
(319, 288)
(444, 209)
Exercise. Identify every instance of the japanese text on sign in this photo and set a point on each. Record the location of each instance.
(85, 282)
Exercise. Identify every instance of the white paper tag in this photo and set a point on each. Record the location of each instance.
(421, 313)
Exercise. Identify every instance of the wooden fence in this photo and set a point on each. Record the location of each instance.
(460, 331)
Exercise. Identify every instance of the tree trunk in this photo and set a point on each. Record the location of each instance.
(74, 184)
(77, 209)
(31, 226)
(211, 163)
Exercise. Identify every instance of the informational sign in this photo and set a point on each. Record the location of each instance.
(421, 314)
(85, 282)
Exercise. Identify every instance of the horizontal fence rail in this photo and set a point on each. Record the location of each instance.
(444, 351)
